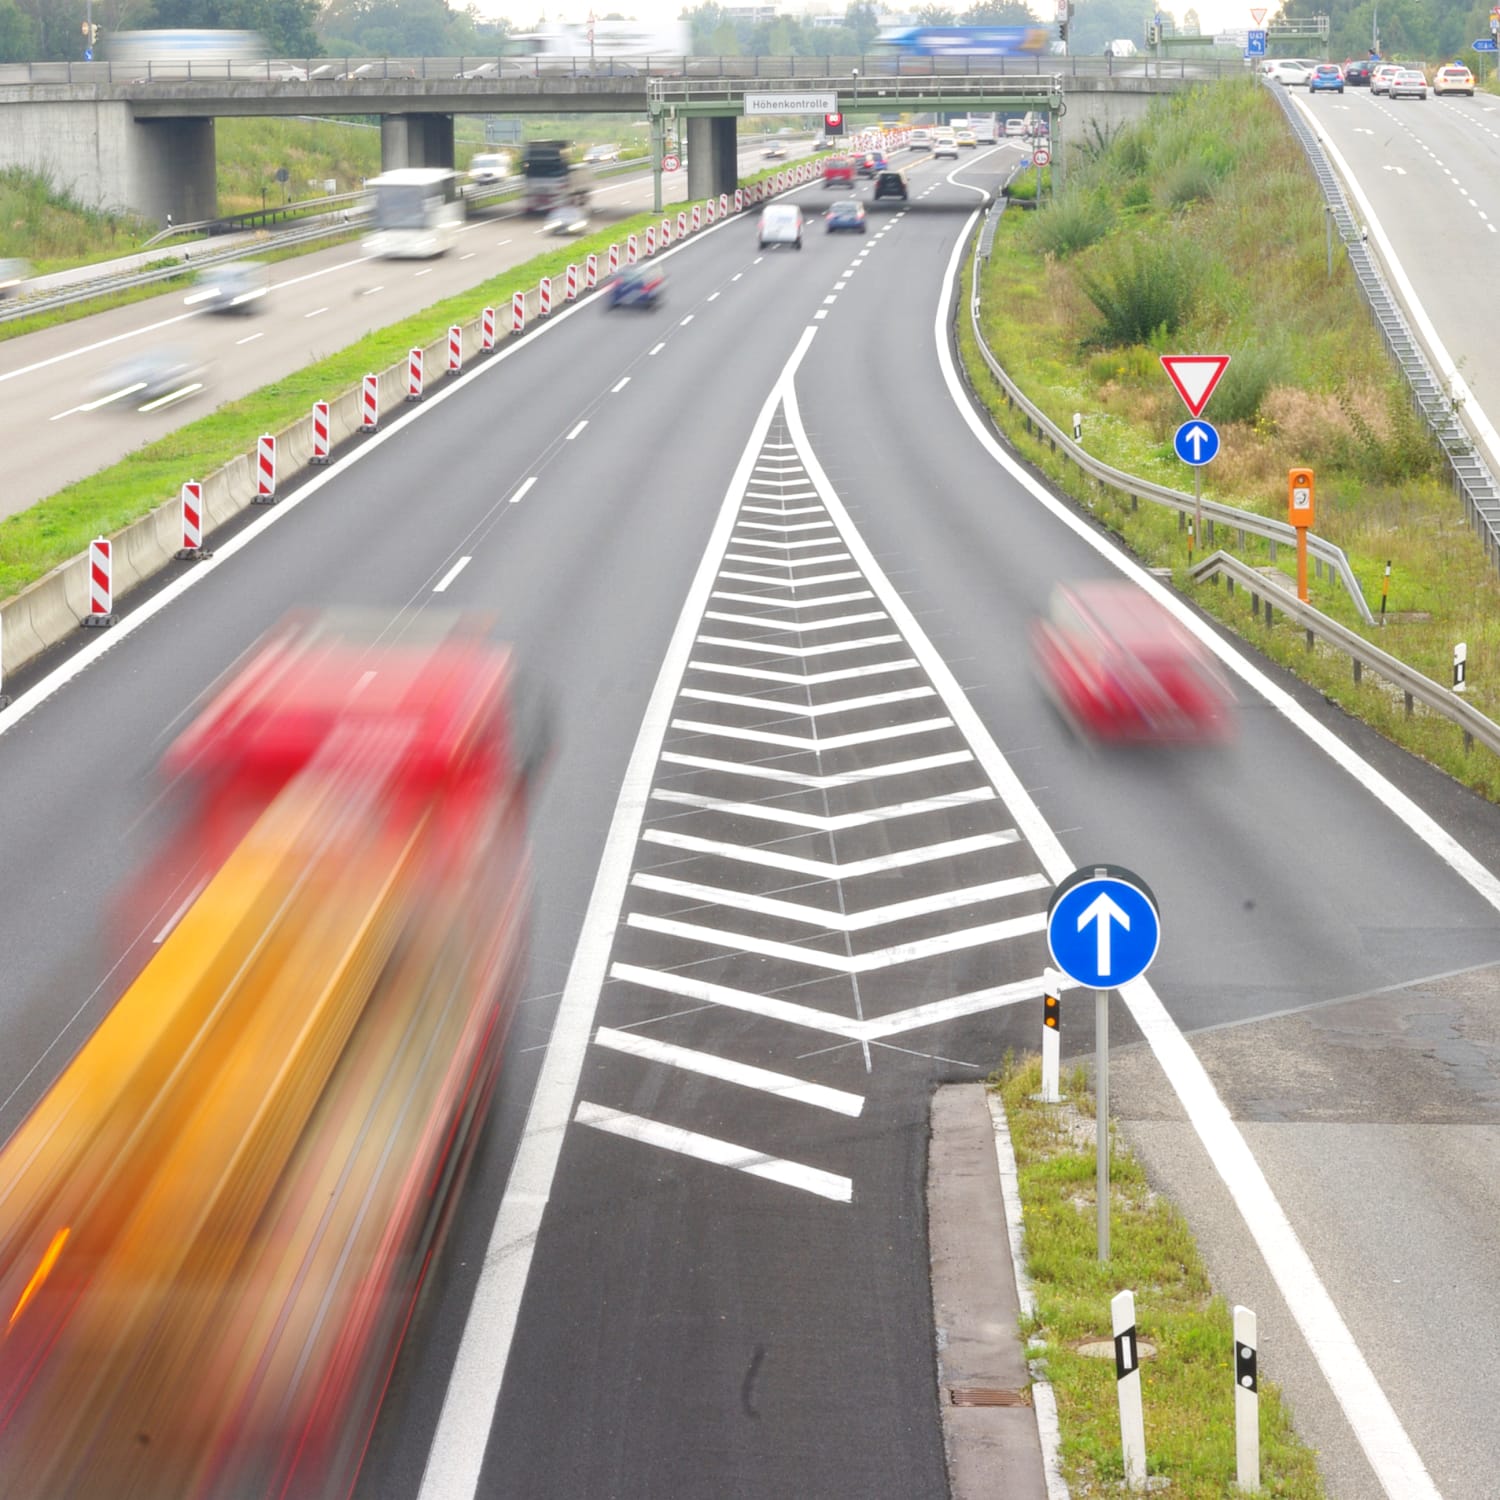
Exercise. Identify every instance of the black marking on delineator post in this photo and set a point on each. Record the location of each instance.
(1246, 1401)
(1128, 1387)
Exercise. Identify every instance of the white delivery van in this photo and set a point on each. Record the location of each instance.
(781, 224)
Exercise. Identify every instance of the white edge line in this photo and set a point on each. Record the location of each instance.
(1372, 1418)
(463, 1430)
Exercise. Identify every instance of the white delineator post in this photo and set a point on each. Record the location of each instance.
(1128, 1389)
(1246, 1401)
(1460, 666)
(1051, 1036)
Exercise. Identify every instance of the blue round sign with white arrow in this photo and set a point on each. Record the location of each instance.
(1103, 929)
(1197, 442)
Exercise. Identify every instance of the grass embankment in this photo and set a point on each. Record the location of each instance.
(1201, 230)
(1188, 1385)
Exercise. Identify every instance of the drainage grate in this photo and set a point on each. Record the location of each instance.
(986, 1395)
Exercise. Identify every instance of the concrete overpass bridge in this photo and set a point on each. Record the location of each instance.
(147, 144)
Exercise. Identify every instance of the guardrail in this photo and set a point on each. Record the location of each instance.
(866, 90)
(1265, 597)
(1471, 475)
(1277, 533)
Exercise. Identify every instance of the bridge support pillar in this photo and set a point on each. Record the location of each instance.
(176, 174)
(713, 155)
(415, 141)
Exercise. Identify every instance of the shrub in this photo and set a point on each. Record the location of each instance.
(1143, 291)
(1251, 373)
(1072, 223)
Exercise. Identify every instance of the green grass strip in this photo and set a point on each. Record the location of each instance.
(1188, 1385)
(34, 541)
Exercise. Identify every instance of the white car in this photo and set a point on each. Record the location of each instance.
(1410, 83)
(597, 154)
(489, 167)
(1015, 126)
(1380, 79)
(1292, 72)
(946, 144)
(920, 140)
(1453, 79)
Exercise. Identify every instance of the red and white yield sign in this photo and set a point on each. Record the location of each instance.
(1195, 376)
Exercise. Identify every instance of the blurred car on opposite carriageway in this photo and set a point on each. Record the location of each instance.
(242, 286)
(774, 152)
(13, 274)
(1120, 668)
(489, 167)
(148, 380)
(845, 213)
(636, 286)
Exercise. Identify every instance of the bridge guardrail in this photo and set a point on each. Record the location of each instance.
(1414, 686)
(1215, 513)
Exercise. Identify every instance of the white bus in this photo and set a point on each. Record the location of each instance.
(415, 212)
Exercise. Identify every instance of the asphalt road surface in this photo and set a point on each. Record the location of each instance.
(319, 303)
(792, 860)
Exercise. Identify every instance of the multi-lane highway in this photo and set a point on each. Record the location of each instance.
(51, 381)
(792, 860)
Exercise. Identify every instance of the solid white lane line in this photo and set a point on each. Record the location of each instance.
(822, 869)
(451, 574)
(809, 710)
(317, 312)
(837, 921)
(844, 963)
(745, 1074)
(464, 1425)
(176, 916)
(770, 812)
(720, 1153)
(658, 348)
(250, 338)
(579, 428)
(523, 489)
(811, 780)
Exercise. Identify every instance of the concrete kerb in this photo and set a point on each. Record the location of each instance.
(48, 611)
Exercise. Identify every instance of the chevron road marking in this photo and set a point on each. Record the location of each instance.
(791, 526)
(829, 742)
(757, 541)
(809, 1018)
(721, 1153)
(845, 963)
(771, 603)
(823, 869)
(788, 583)
(815, 782)
(765, 648)
(838, 921)
(768, 623)
(811, 679)
(788, 562)
(790, 510)
(750, 1077)
(809, 711)
(827, 822)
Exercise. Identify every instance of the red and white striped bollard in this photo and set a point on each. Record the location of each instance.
(455, 349)
(369, 403)
(518, 313)
(651, 239)
(697, 217)
(265, 470)
(591, 271)
(319, 432)
(739, 200)
(487, 330)
(192, 522)
(723, 205)
(632, 250)
(612, 260)
(101, 582)
(414, 374)
(682, 223)
(544, 296)
(571, 284)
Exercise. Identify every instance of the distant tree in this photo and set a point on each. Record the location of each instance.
(1191, 25)
(998, 13)
(934, 15)
(400, 28)
(20, 36)
(863, 19)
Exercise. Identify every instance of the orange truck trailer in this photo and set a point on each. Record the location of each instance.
(214, 1225)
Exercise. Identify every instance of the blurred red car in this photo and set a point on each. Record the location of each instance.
(1119, 667)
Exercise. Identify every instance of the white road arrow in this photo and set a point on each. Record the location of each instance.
(1103, 911)
(1196, 436)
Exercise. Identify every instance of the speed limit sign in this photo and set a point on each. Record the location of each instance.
(1041, 156)
(669, 164)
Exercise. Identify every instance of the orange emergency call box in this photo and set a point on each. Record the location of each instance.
(1299, 497)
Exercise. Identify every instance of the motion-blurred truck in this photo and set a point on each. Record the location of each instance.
(552, 182)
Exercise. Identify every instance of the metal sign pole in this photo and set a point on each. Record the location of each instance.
(1101, 1116)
